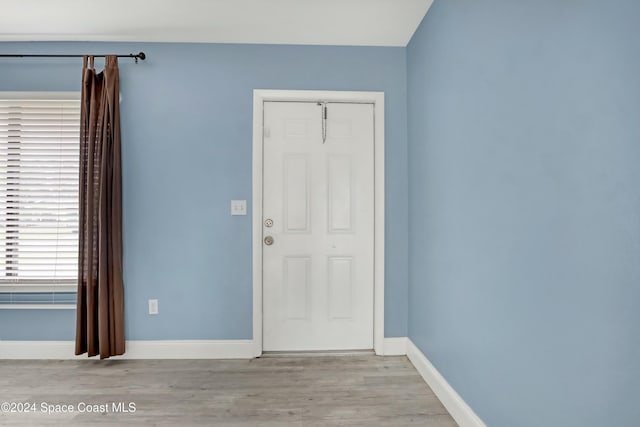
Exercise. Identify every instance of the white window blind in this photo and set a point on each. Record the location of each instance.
(39, 161)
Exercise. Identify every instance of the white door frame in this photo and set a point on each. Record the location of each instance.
(261, 96)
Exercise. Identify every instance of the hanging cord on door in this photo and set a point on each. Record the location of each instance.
(323, 112)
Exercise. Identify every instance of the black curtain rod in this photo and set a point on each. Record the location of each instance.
(137, 56)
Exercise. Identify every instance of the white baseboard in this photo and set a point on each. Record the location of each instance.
(395, 346)
(457, 407)
(179, 349)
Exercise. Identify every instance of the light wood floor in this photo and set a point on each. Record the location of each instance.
(360, 390)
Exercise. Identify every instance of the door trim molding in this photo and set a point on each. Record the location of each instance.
(377, 98)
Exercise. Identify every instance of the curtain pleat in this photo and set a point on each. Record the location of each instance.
(100, 312)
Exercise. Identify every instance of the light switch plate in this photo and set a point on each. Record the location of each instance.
(153, 306)
(238, 207)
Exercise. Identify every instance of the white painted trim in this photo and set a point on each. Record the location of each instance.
(179, 349)
(379, 222)
(35, 96)
(377, 98)
(256, 218)
(457, 407)
(43, 306)
(395, 346)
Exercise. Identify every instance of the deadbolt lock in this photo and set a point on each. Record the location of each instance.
(268, 240)
(268, 222)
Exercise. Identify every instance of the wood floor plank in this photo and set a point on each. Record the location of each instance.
(350, 391)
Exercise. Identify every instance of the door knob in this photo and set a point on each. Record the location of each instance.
(268, 240)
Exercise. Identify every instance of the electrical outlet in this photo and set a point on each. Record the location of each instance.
(153, 306)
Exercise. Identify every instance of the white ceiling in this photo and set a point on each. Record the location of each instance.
(327, 22)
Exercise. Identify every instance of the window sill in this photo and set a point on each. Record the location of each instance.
(43, 306)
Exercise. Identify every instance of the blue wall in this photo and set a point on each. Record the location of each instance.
(187, 135)
(524, 219)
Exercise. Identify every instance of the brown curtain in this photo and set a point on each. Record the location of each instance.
(100, 312)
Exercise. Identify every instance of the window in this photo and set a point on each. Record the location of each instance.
(39, 169)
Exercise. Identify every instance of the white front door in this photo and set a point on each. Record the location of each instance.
(318, 209)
